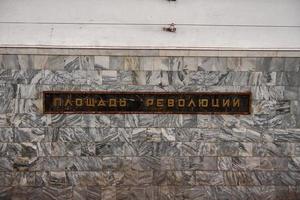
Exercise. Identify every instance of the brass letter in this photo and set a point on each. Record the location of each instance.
(101, 103)
(149, 102)
(112, 103)
(215, 102)
(236, 102)
(78, 102)
(159, 102)
(191, 102)
(68, 102)
(181, 102)
(226, 102)
(123, 102)
(57, 101)
(203, 102)
(170, 102)
(90, 102)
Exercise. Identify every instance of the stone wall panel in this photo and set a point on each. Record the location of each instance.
(149, 156)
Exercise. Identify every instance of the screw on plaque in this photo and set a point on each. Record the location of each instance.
(171, 28)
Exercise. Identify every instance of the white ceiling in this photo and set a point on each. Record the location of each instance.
(201, 24)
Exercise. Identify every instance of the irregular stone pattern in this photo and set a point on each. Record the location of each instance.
(145, 156)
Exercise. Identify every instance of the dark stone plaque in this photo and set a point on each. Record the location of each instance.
(146, 102)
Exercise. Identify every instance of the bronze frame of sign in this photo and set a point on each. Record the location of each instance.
(149, 93)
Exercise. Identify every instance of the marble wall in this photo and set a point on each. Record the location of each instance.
(145, 156)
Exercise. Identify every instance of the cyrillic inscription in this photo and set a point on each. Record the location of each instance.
(146, 102)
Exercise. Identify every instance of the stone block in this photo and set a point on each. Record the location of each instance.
(262, 78)
(167, 134)
(6, 164)
(55, 63)
(239, 178)
(268, 93)
(176, 64)
(164, 64)
(109, 77)
(248, 64)
(189, 149)
(101, 62)
(207, 149)
(245, 163)
(214, 178)
(77, 77)
(110, 149)
(212, 64)
(171, 149)
(292, 64)
(273, 149)
(58, 192)
(6, 135)
(274, 163)
(116, 62)
(234, 64)
(228, 149)
(108, 193)
(181, 178)
(94, 78)
(72, 63)
(89, 192)
(203, 163)
(288, 78)
(131, 63)
(265, 177)
(168, 121)
(190, 63)
(147, 63)
(294, 164)
(146, 163)
(245, 149)
(167, 163)
(270, 64)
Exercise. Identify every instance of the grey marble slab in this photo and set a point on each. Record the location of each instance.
(270, 64)
(101, 62)
(76, 120)
(131, 63)
(212, 64)
(117, 62)
(190, 63)
(292, 64)
(77, 77)
(210, 178)
(239, 178)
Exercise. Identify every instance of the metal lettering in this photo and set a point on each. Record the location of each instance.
(236, 103)
(149, 102)
(203, 102)
(57, 102)
(171, 102)
(226, 102)
(181, 102)
(112, 103)
(90, 102)
(191, 103)
(123, 102)
(215, 102)
(78, 102)
(160, 102)
(101, 103)
(68, 102)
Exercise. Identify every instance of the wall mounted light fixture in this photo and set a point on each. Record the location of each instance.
(171, 28)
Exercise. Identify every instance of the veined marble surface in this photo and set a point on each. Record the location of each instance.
(149, 156)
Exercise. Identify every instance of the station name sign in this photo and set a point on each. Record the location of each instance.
(81, 102)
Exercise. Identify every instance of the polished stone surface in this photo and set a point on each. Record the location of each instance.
(145, 156)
